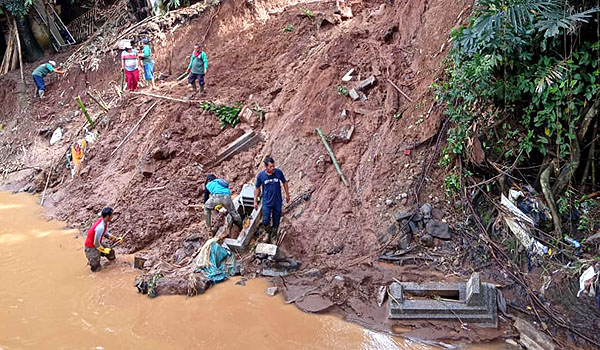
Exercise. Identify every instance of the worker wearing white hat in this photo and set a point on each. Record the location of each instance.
(40, 73)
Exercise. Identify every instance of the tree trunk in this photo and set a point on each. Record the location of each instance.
(31, 50)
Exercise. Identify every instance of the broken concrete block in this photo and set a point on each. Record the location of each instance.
(246, 115)
(271, 291)
(353, 95)
(243, 143)
(348, 75)
(367, 83)
(396, 293)
(438, 229)
(381, 295)
(531, 338)
(342, 133)
(474, 295)
(265, 248)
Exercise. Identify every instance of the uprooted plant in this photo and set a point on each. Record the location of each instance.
(228, 115)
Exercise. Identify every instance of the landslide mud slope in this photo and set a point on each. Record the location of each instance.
(293, 76)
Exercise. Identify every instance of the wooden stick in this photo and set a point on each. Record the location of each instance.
(97, 101)
(85, 112)
(164, 97)
(45, 187)
(400, 91)
(337, 166)
(19, 49)
(134, 127)
(182, 75)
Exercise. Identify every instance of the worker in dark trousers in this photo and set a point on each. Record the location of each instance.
(270, 181)
(197, 68)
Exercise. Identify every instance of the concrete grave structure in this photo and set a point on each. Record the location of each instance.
(244, 204)
(471, 302)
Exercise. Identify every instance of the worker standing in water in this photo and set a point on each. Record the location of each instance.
(40, 73)
(94, 247)
(197, 68)
(270, 180)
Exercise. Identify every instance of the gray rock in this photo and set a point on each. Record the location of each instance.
(338, 278)
(402, 216)
(403, 195)
(438, 229)
(426, 210)
(426, 240)
(392, 230)
(413, 228)
(389, 202)
(417, 217)
(531, 338)
(405, 241)
(271, 291)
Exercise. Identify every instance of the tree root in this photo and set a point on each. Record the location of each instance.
(545, 183)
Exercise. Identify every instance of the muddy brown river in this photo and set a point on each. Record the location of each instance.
(50, 300)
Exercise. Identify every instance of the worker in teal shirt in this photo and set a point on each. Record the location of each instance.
(40, 73)
(197, 68)
(147, 63)
(216, 192)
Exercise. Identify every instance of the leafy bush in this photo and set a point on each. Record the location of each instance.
(343, 91)
(288, 28)
(511, 62)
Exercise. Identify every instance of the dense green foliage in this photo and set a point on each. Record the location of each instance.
(522, 71)
(228, 115)
(15, 7)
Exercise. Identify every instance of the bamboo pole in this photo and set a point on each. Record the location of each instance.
(46, 187)
(134, 127)
(335, 163)
(85, 112)
(19, 49)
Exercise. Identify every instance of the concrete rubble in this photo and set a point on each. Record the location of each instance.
(531, 338)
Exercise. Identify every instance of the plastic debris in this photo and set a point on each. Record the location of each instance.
(518, 223)
(56, 136)
(573, 242)
(587, 281)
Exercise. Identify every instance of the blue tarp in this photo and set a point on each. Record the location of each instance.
(221, 264)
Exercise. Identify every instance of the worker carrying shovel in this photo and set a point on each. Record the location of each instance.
(94, 247)
(216, 192)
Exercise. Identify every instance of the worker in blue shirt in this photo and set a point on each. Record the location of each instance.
(216, 191)
(270, 181)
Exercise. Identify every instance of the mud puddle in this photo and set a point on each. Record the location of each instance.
(49, 299)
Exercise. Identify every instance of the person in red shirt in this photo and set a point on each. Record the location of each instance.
(94, 247)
